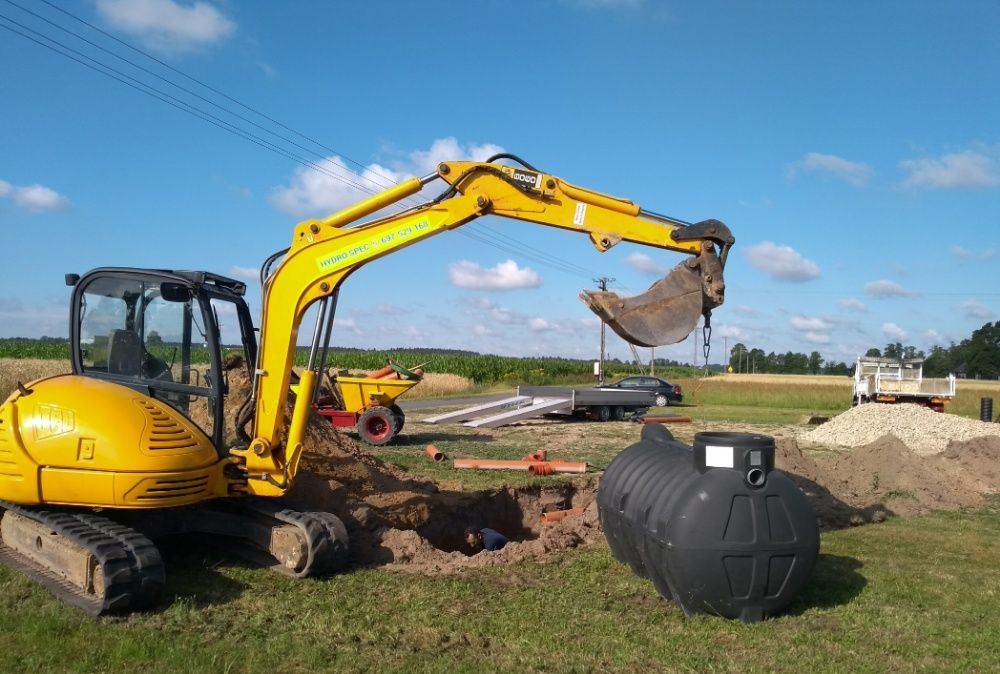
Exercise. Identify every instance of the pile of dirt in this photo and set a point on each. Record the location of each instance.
(886, 477)
(919, 428)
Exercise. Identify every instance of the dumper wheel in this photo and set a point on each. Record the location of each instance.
(618, 413)
(399, 418)
(376, 426)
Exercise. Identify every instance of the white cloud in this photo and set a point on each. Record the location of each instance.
(313, 192)
(731, 331)
(893, 331)
(244, 273)
(855, 173)
(646, 265)
(810, 324)
(334, 185)
(887, 288)
(346, 325)
(933, 337)
(412, 332)
(852, 304)
(540, 325)
(781, 262)
(957, 170)
(965, 254)
(817, 337)
(422, 162)
(167, 26)
(480, 330)
(744, 310)
(504, 276)
(977, 310)
(35, 198)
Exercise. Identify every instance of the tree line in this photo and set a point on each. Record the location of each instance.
(976, 357)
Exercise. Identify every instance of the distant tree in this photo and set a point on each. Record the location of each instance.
(815, 362)
(893, 350)
(873, 353)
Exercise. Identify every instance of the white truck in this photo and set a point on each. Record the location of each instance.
(900, 380)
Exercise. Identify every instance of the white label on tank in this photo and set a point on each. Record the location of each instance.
(580, 214)
(718, 457)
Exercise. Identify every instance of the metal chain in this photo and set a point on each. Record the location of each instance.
(707, 336)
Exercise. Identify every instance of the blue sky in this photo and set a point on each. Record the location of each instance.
(852, 148)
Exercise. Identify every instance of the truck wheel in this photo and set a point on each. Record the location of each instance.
(662, 400)
(376, 426)
(399, 418)
(618, 413)
(600, 412)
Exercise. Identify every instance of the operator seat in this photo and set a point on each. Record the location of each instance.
(124, 353)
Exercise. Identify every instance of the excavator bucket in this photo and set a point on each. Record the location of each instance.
(669, 310)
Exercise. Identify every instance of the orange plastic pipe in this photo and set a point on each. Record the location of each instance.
(567, 467)
(379, 374)
(435, 453)
(536, 456)
(492, 464)
(664, 420)
(559, 515)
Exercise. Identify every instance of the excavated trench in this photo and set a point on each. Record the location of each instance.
(406, 523)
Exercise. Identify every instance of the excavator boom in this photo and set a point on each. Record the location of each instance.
(324, 252)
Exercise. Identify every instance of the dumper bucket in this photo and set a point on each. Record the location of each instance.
(669, 310)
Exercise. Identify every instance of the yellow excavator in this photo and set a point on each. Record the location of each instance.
(133, 445)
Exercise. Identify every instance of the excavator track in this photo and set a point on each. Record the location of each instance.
(109, 568)
(324, 534)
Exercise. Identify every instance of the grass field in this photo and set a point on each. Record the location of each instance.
(904, 595)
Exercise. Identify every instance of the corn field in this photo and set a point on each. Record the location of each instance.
(482, 369)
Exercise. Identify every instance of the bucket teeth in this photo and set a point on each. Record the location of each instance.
(668, 311)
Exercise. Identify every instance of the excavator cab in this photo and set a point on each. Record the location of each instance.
(159, 333)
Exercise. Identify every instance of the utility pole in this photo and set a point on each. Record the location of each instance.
(602, 283)
(725, 354)
(652, 361)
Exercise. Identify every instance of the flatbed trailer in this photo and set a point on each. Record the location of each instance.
(600, 404)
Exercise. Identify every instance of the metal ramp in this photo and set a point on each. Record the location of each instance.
(501, 412)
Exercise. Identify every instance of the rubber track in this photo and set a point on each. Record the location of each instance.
(325, 534)
(132, 568)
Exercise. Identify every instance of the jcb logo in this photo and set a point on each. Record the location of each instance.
(51, 421)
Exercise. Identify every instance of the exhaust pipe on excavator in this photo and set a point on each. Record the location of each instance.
(669, 310)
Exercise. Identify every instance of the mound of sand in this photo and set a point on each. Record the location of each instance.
(922, 430)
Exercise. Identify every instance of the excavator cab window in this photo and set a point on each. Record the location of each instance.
(152, 335)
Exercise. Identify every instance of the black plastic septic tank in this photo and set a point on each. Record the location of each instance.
(714, 527)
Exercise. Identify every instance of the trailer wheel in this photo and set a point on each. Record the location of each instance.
(600, 412)
(399, 418)
(376, 426)
(618, 413)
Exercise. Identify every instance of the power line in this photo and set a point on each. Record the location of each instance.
(492, 238)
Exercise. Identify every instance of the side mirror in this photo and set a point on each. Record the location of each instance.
(175, 292)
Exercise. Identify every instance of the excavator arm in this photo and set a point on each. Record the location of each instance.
(325, 252)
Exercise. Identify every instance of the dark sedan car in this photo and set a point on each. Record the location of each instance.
(666, 393)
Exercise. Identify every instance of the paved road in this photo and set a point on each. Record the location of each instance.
(432, 403)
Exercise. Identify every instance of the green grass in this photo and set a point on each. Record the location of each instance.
(905, 595)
